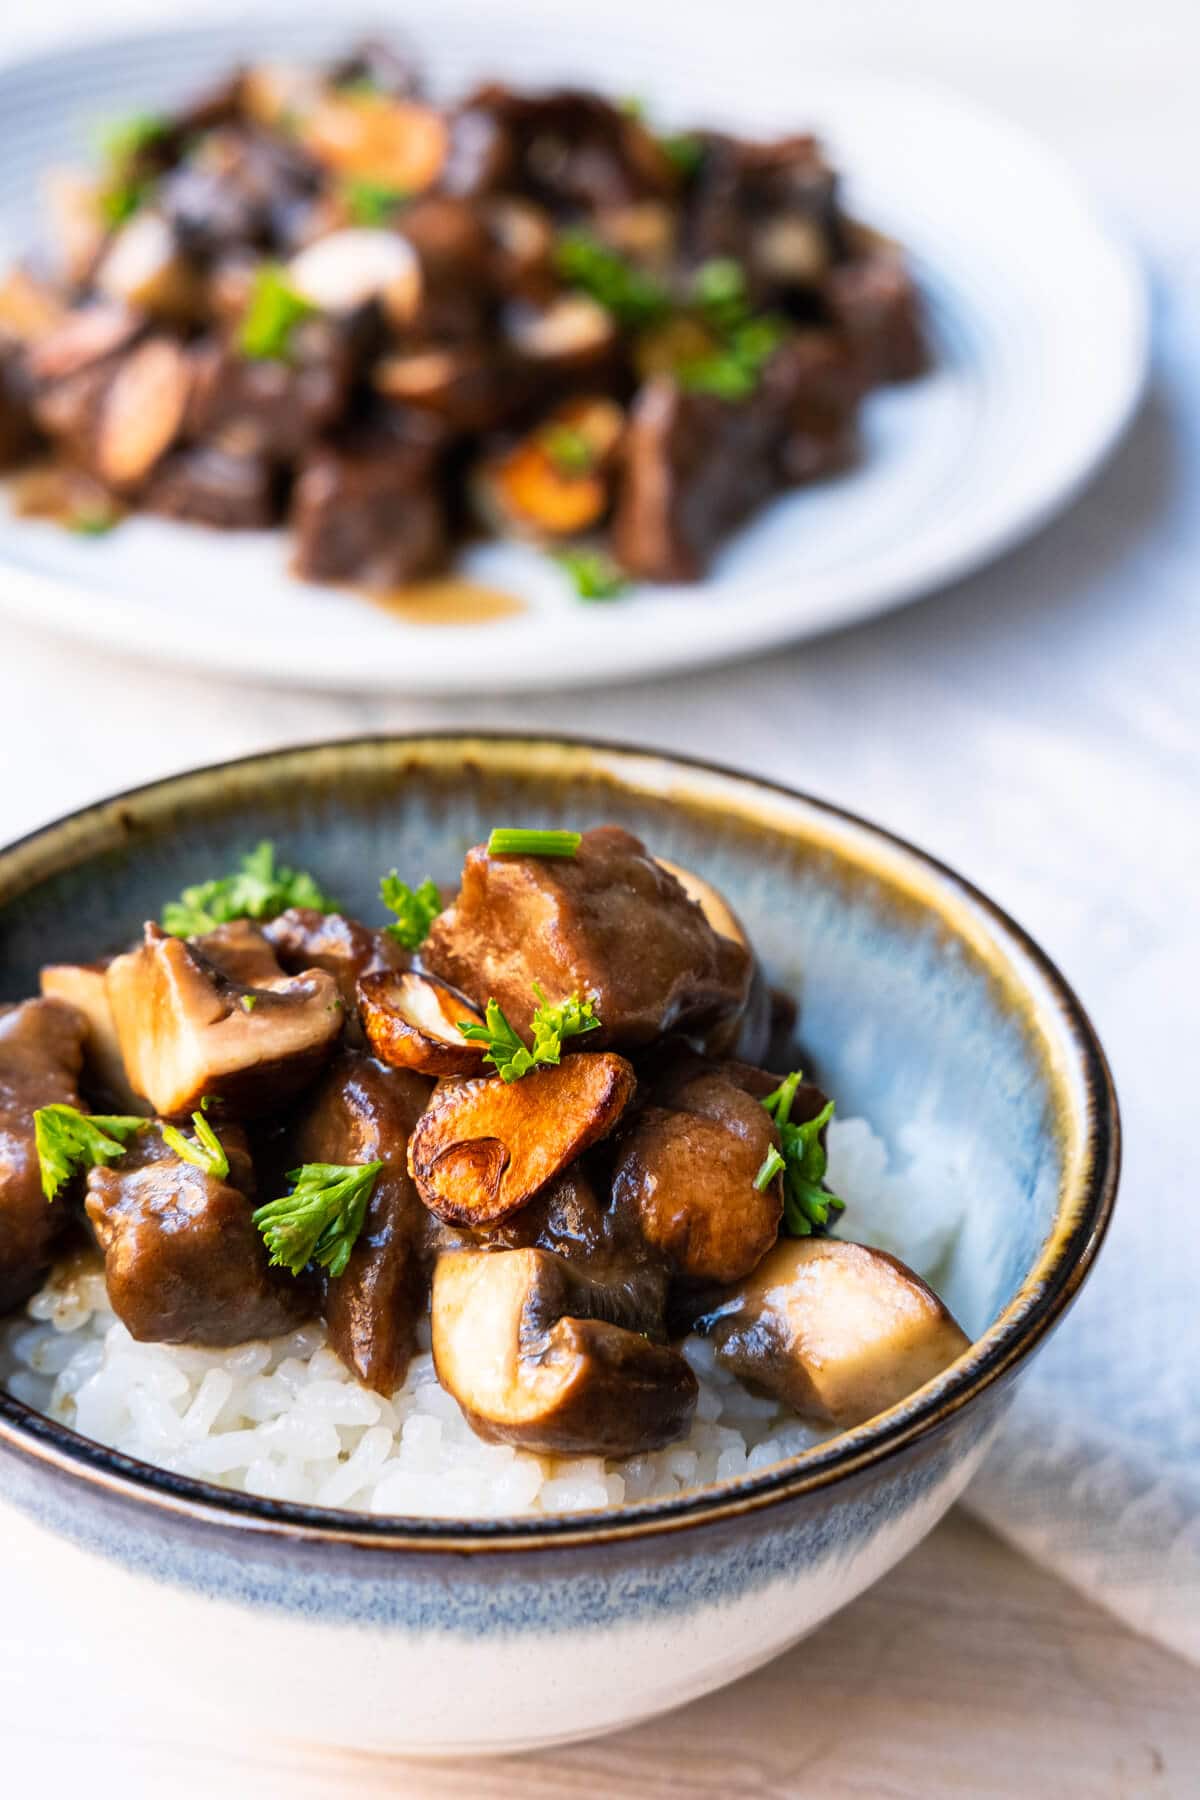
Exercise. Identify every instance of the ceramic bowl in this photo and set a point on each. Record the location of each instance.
(919, 998)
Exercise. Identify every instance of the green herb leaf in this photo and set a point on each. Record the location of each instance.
(807, 1203)
(593, 575)
(372, 202)
(772, 1163)
(125, 139)
(258, 890)
(510, 840)
(93, 521)
(320, 1218)
(634, 298)
(205, 1152)
(733, 370)
(271, 318)
(551, 1024)
(569, 450)
(68, 1140)
(684, 151)
(415, 909)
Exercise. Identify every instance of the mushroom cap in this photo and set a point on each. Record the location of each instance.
(411, 1022)
(514, 1345)
(834, 1329)
(187, 1030)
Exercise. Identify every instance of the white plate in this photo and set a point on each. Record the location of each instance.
(1040, 328)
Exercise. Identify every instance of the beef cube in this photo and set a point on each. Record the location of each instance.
(370, 510)
(609, 922)
(183, 1260)
(41, 1054)
(695, 466)
(875, 301)
(209, 486)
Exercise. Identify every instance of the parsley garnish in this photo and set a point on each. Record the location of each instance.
(276, 308)
(320, 1218)
(372, 202)
(506, 1051)
(415, 909)
(68, 1141)
(205, 1151)
(124, 143)
(634, 298)
(772, 1162)
(93, 521)
(806, 1202)
(259, 890)
(593, 575)
(510, 840)
(684, 151)
(569, 450)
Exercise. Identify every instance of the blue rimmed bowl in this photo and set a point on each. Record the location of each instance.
(918, 997)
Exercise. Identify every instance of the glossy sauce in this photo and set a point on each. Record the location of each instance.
(451, 601)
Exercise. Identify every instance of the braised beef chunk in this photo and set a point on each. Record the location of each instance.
(772, 207)
(264, 406)
(363, 1112)
(18, 433)
(817, 381)
(239, 188)
(687, 1170)
(183, 1262)
(570, 150)
(208, 486)
(367, 511)
(875, 302)
(608, 922)
(41, 1054)
(695, 466)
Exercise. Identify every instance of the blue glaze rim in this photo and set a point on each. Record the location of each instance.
(1032, 1314)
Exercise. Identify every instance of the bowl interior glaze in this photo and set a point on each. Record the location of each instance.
(918, 999)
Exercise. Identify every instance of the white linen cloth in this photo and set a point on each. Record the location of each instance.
(1038, 726)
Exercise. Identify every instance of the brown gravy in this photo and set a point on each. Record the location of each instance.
(450, 601)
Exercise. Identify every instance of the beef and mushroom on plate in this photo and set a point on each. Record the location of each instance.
(323, 299)
(537, 1147)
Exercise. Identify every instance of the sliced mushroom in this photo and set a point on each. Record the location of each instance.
(345, 270)
(524, 239)
(187, 1030)
(142, 412)
(555, 481)
(486, 1147)
(29, 307)
(77, 222)
(521, 1340)
(83, 339)
(835, 1330)
(412, 1022)
(572, 332)
(371, 137)
(83, 986)
(142, 267)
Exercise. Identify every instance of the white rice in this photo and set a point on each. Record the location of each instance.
(286, 1420)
